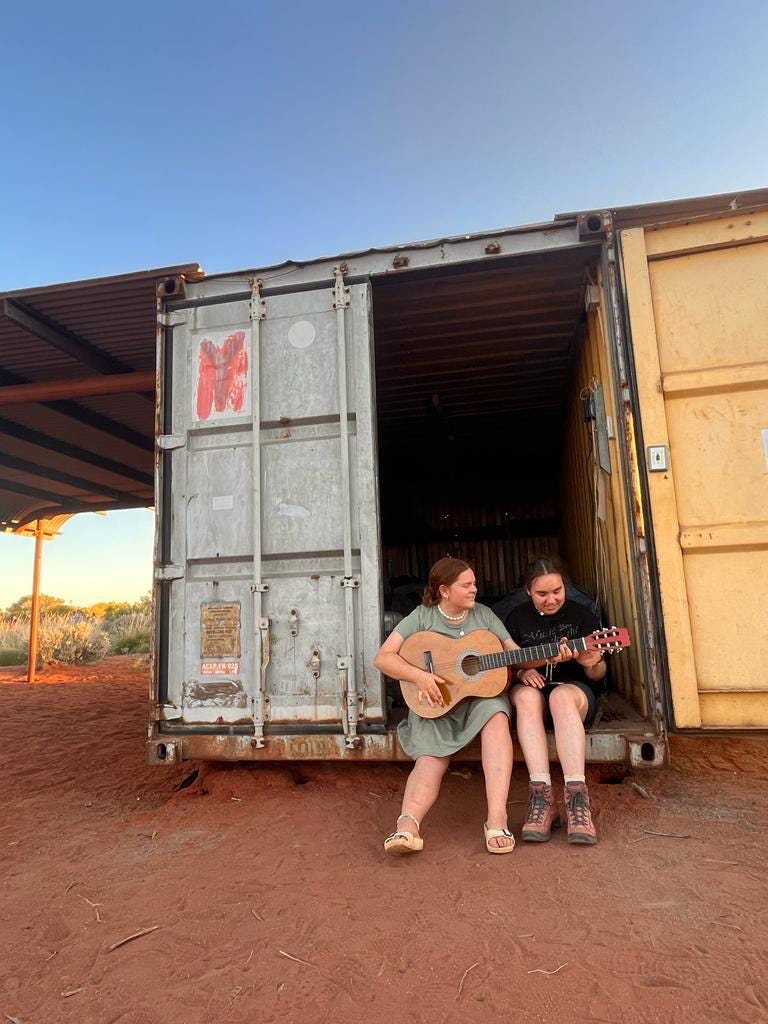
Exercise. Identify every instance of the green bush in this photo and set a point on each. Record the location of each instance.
(12, 656)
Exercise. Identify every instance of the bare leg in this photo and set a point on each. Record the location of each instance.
(568, 707)
(529, 705)
(421, 790)
(496, 743)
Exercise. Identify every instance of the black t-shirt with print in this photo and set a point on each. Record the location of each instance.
(528, 628)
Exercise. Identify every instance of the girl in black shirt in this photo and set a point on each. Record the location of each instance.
(566, 691)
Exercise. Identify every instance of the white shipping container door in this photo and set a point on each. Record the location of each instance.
(286, 639)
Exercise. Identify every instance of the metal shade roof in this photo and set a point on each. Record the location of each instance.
(93, 450)
(64, 454)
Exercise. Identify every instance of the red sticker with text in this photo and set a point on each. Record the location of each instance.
(220, 668)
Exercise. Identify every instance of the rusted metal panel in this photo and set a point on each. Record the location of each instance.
(678, 210)
(550, 237)
(641, 748)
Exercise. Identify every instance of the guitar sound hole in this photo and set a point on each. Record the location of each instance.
(471, 665)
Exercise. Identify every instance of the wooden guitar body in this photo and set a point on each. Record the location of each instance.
(455, 659)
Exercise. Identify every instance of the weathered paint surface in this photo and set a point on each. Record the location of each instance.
(274, 385)
(640, 748)
(222, 375)
(699, 309)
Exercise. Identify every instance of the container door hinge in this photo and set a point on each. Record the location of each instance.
(168, 712)
(341, 292)
(167, 442)
(258, 308)
(169, 572)
(350, 581)
(170, 319)
(260, 588)
(314, 663)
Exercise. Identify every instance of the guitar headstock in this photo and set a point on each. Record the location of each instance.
(608, 640)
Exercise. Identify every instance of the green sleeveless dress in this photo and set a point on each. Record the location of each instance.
(446, 735)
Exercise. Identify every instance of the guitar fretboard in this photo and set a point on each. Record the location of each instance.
(540, 652)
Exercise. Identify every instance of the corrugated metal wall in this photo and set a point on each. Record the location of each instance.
(499, 558)
(494, 467)
(585, 534)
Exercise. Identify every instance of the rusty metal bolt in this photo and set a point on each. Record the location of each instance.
(493, 248)
(400, 261)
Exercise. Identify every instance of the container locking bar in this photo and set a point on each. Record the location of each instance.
(346, 664)
(349, 701)
(169, 572)
(261, 700)
(259, 697)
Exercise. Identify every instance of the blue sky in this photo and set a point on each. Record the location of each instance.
(240, 134)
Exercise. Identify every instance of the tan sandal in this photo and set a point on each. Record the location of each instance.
(498, 833)
(402, 841)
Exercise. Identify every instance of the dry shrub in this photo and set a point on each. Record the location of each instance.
(71, 638)
(132, 633)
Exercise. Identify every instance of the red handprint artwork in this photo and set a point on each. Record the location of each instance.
(223, 375)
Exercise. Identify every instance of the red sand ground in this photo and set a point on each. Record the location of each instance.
(273, 901)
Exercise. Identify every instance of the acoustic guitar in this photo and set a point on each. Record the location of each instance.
(476, 665)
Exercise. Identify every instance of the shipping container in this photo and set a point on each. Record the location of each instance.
(594, 387)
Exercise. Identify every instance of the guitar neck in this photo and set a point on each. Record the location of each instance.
(541, 652)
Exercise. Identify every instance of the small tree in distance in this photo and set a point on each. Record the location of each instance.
(48, 606)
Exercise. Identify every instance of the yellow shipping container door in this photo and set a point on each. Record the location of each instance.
(698, 308)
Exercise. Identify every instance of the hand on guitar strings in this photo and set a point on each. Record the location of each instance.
(532, 677)
(429, 690)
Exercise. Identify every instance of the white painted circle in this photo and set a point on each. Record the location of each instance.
(301, 334)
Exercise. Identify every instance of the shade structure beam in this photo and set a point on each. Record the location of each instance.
(85, 387)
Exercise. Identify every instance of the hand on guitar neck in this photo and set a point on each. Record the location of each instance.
(476, 665)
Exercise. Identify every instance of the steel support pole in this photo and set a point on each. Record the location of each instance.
(34, 612)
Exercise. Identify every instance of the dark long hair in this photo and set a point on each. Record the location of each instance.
(544, 565)
(443, 573)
